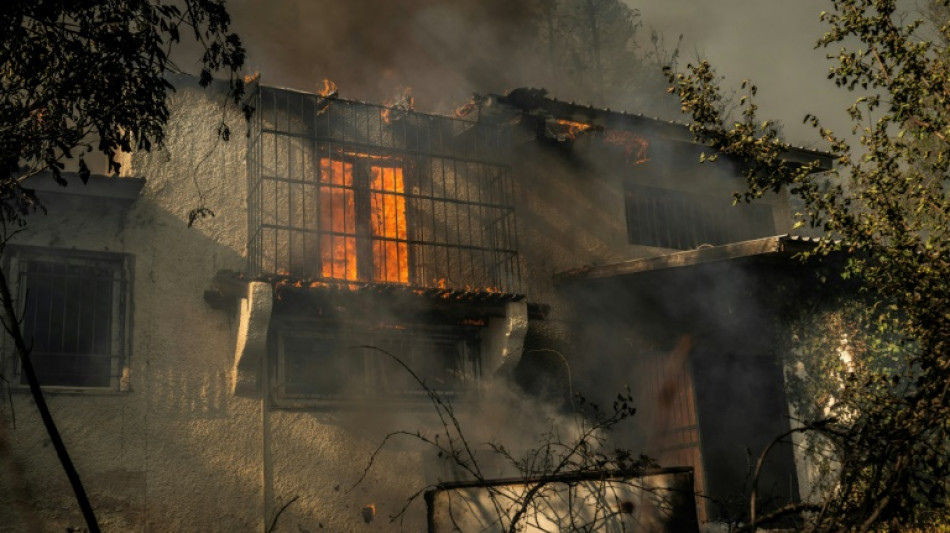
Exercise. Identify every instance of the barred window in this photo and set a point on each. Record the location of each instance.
(363, 217)
(75, 315)
(675, 219)
(329, 364)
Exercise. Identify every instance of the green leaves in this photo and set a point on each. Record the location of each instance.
(887, 204)
(78, 71)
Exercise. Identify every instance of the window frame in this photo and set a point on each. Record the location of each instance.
(365, 241)
(415, 337)
(682, 220)
(121, 267)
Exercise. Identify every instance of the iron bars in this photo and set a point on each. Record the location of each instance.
(352, 193)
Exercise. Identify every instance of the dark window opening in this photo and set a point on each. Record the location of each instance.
(325, 364)
(74, 316)
(674, 219)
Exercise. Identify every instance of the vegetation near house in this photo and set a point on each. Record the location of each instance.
(448, 244)
(83, 77)
(887, 205)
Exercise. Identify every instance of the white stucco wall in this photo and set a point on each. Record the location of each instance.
(180, 451)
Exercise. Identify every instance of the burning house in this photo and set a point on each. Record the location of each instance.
(242, 373)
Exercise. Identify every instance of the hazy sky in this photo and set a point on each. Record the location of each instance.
(770, 42)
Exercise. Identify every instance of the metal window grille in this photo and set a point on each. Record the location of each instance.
(332, 363)
(75, 309)
(344, 192)
(675, 219)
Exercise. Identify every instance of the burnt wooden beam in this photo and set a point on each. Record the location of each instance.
(782, 244)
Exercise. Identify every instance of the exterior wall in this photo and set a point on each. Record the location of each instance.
(180, 451)
(572, 214)
(146, 455)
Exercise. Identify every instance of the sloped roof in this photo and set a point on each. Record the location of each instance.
(536, 102)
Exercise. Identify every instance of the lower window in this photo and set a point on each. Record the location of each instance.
(75, 315)
(334, 364)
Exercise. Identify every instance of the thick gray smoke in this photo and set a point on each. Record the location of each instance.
(772, 43)
(591, 52)
(445, 51)
(372, 49)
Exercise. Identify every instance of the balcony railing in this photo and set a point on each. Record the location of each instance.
(347, 192)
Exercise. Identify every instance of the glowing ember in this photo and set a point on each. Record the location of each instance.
(634, 146)
(466, 109)
(369, 513)
(565, 130)
(394, 327)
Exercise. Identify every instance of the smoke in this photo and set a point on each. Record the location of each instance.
(447, 50)
(770, 43)
(591, 52)
(373, 49)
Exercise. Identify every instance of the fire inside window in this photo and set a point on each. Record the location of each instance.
(363, 218)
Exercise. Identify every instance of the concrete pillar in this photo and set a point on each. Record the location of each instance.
(503, 339)
(251, 349)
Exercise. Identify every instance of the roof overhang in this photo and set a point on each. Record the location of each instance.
(780, 246)
(98, 186)
(536, 102)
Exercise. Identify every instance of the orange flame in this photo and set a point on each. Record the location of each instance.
(388, 222)
(393, 111)
(473, 105)
(329, 89)
(565, 129)
(340, 245)
(337, 220)
(634, 146)
(250, 78)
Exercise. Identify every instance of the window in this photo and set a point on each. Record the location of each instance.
(363, 216)
(324, 363)
(75, 309)
(675, 219)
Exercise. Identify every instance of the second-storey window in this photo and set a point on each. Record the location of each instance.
(363, 220)
(668, 218)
